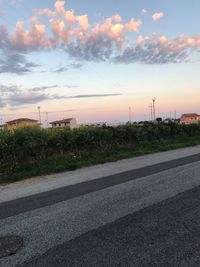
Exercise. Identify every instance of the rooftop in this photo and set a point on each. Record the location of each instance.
(22, 120)
(62, 121)
(190, 115)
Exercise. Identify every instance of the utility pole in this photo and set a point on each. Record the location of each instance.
(151, 107)
(47, 115)
(175, 114)
(154, 109)
(130, 111)
(39, 114)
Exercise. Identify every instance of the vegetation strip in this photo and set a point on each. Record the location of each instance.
(32, 151)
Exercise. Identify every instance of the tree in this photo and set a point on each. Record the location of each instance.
(159, 120)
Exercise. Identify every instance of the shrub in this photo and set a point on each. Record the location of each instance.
(34, 144)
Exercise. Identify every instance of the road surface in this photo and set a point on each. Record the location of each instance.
(148, 216)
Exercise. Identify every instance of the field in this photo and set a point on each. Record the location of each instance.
(32, 151)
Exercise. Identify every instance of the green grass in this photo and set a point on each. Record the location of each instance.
(88, 158)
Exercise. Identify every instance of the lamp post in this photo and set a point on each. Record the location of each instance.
(151, 108)
(154, 109)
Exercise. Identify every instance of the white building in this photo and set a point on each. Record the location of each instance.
(65, 123)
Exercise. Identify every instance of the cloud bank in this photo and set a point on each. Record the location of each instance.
(105, 41)
(13, 95)
(157, 49)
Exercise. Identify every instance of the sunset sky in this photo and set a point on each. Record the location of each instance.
(93, 59)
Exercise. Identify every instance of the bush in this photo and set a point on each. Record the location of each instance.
(34, 144)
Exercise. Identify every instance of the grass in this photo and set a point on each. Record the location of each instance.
(88, 158)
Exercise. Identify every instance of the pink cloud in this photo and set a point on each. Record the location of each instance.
(67, 26)
(157, 16)
(27, 39)
(92, 42)
(117, 18)
(60, 6)
(83, 22)
(69, 16)
(44, 12)
(133, 25)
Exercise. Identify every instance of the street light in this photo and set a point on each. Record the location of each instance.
(151, 107)
(39, 115)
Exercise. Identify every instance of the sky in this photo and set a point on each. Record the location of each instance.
(92, 60)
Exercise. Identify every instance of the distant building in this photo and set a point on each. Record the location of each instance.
(21, 122)
(190, 118)
(115, 123)
(95, 124)
(65, 123)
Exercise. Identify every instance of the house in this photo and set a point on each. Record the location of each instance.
(190, 118)
(21, 122)
(65, 123)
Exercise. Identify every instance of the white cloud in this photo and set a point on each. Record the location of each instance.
(143, 11)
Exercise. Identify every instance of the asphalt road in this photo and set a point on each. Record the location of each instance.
(144, 217)
(14, 207)
(165, 234)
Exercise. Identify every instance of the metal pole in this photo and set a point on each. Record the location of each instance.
(39, 115)
(175, 114)
(154, 109)
(129, 114)
(151, 112)
(47, 114)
